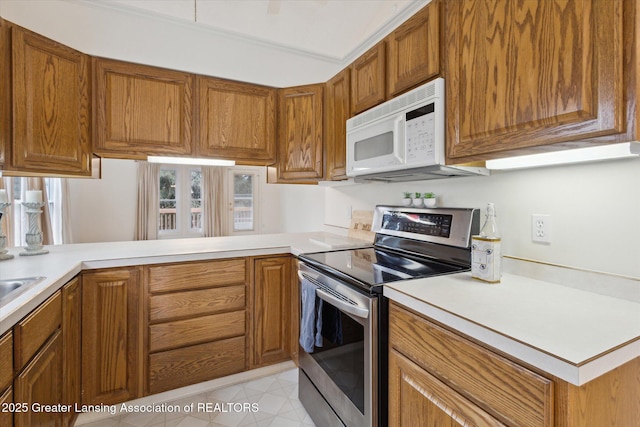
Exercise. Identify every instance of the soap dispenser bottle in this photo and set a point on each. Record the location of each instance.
(486, 256)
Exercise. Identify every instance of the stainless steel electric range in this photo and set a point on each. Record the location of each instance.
(344, 320)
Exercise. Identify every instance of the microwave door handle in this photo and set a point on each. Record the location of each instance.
(398, 137)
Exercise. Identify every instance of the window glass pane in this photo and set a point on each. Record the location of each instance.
(196, 200)
(167, 200)
(242, 202)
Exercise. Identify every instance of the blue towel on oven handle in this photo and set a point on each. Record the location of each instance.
(310, 318)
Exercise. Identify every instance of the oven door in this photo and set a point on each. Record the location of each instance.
(343, 368)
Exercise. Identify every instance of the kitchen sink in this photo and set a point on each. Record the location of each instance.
(11, 287)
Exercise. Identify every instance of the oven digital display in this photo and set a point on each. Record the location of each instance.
(418, 223)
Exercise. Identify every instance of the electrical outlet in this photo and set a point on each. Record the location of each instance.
(541, 228)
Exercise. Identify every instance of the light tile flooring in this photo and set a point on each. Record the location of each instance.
(275, 398)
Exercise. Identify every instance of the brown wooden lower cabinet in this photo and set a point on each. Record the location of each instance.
(442, 378)
(40, 383)
(197, 324)
(111, 336)
(6, 417)
(71, 348)
(272, 310)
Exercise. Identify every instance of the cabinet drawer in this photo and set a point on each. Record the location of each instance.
(196, 303)
(196, 275)
(512, 393)
(34, 330)
(191, 365)
(6, 360)
(193, 331)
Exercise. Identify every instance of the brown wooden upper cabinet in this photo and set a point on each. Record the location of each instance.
(413, 50)
(368, 78)
(533, 73)
(237, 121)
(46, 127)
(300, 133)
(141, 110)
(337, 111)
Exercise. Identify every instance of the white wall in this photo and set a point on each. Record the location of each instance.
(594, 208)
(103, 210)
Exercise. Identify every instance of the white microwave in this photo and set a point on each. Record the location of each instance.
(402, 139)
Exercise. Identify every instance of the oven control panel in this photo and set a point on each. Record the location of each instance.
(449, 226)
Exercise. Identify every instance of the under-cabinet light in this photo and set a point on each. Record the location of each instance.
(190, 161)
(576, 155)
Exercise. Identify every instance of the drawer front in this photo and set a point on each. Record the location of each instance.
(191, 365)
(512, 393)
(196, 275)
(181, 333)
(35, 329)
(196, 303)
(6, 361)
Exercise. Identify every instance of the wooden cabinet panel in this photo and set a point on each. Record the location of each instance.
(413, 50)
(181, 333)
(6, 417)
(196, 275)
(513, 394)
(300, 133)
(368, 79)
(6, 360)
(531, 73)
(41, 383)
(337, 111)
(418, 398)
(5, 90)
(236, 121)
(196, 303)
(111, 335)
(35, 329)
(272, 310)
(71, 347)
(51, 106)
(190, 365)
(142, 110)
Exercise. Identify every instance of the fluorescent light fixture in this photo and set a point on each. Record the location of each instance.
(576, 155)
(190, 161)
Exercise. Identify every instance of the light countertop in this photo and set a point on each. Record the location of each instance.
(574, 334)
(65, 261)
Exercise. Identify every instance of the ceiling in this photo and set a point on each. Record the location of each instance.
(333, 29)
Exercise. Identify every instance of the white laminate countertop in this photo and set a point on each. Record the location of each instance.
(65, 261)
(574, 334)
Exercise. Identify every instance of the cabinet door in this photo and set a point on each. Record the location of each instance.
(413, 50)
(41, 382)
(111, 335)
(368, 77)
(236, 121)
(6, 360)
(6, 417)
(531, 73)
(337, 111)
(142, 110)
(300, 133)
(417, 398)
(272, 310)
(51, 106)
(71, 350)
(5, 90)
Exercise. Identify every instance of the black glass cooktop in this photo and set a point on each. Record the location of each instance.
(370, 267)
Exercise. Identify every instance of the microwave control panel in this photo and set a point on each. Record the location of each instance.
(420, 134)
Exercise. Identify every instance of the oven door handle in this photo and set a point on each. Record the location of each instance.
(341, 305)
(354, 310)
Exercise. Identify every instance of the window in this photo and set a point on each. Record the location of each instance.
(244, 189)
(180, 201)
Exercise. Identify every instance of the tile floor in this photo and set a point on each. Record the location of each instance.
(275, 398)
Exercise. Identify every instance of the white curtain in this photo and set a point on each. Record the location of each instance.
(7, 218)
(61, 211)
(214, 222)
(147, 203)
